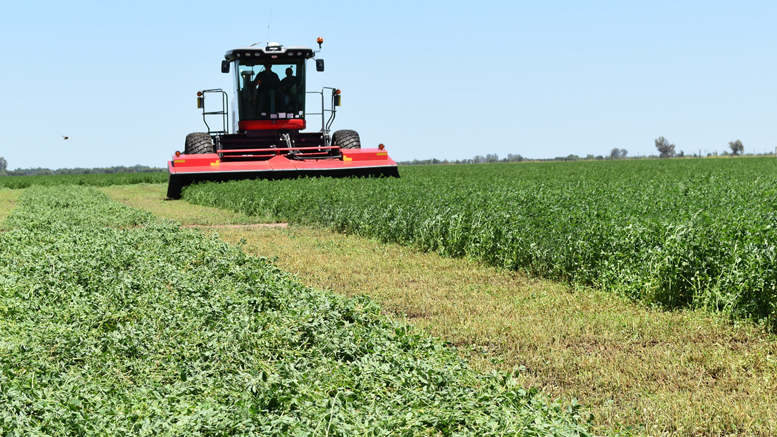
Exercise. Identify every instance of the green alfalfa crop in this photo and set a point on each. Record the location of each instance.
(677, 233)
(115, 323)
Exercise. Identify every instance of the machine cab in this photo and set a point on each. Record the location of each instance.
(269, 87)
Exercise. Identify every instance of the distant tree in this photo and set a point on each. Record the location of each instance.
(492, 158)
(3, 165)
(681, 154)
(664, 147)
(617, 153)
(600, 158)
(736, 147)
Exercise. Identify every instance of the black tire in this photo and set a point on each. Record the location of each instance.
(174, 187)
(346, 139)
(198, 143)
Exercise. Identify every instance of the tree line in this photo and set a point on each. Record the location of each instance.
(663, 146)
(667, 149)
(64, 171)
(477, 159)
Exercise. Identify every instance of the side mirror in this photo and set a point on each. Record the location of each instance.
(319, 65)
(225, 66)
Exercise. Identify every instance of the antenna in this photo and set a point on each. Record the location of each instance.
(269, 18)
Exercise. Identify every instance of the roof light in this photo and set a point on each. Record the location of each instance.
(337, 92)
(199, 93)
(177, 153)
(381, 146)
(319, 40)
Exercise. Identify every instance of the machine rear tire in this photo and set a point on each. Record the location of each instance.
(347, 139)
(198, 143)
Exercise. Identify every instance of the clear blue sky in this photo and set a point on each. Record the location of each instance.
(442, 79)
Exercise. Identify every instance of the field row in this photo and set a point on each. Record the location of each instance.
(115, 323)
(675, 233)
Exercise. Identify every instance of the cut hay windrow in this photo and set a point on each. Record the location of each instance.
(115, 323)
(678, 233)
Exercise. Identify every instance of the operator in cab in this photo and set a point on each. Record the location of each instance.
(290, 88)
(268, 96)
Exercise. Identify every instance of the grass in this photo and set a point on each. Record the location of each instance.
(153, 198)
(658, 372)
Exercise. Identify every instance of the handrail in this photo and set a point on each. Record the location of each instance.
(324, 124)
(224, 111)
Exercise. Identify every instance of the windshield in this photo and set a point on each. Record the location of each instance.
(271, 91)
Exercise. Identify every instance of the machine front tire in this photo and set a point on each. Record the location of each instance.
(198, 143)
(347, 139)
(174, 187)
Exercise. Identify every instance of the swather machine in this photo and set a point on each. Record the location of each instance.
(265, 139)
